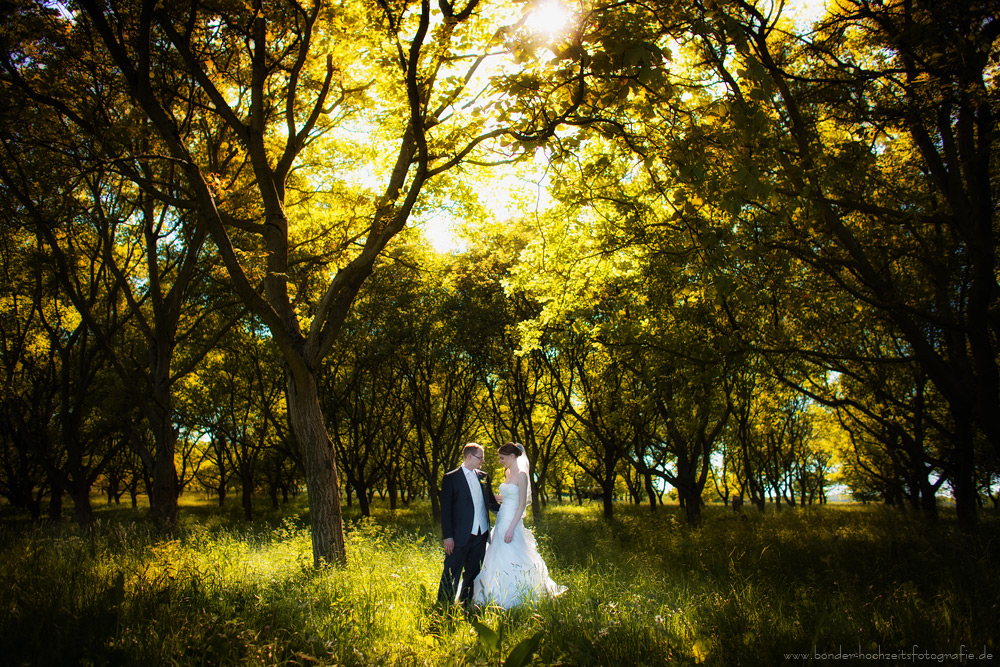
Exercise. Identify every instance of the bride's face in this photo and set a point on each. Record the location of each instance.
(506, 460)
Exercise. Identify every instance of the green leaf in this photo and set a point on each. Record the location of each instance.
(487, 637)
(523, 652)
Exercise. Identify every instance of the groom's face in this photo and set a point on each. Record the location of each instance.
(475, 460)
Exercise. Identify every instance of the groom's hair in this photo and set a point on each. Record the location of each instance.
(472, 448)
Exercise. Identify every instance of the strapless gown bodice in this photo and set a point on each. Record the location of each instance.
(508, 490)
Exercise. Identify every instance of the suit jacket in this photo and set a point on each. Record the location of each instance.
(457, 507)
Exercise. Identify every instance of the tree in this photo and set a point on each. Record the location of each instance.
(891, 201)
(229, 400)
(602, 400)
(30, 388)
(266, 83)
(444, 358)
(861, 154)
(364, 400)
(68, 176)
(88, 427)
(904, 417)
(522, 402)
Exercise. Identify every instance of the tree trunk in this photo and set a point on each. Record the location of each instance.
(436, 505)
(55, 501)
(163, 492)
(34, 505)
(363, 500)
(536, 509)
(928, 499)
(112, 488)
(692, 507)
(322, 485)
(392, 491)
(246, 500)
(83, 511)
(609, 507)
(688, 490)
(963, 481)
(608, 486)
(650, 492)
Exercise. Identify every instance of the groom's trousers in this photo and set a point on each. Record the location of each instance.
(467, 558)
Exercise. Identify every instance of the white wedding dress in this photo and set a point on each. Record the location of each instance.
(513, 573)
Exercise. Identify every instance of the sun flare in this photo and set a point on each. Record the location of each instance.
(547, 17)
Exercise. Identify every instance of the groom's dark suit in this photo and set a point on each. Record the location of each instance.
(457, 519)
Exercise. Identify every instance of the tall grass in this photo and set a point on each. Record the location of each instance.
(644, 589)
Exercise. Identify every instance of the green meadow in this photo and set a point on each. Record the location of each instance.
(796, 586)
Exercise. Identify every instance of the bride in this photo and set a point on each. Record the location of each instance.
(513, 572)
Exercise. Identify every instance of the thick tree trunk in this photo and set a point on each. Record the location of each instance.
(928, 499)
(688, 490)
(692, 507)
(963, 477)
(608, 486)
(536, 504)
(436, 504)
(363, 500)
(55, 502)
(114, 486)
(83, 511)
(163, 491)
(609, 506)
(133, 491)
(78, 483)
(392, 491)
(34, 506)
(322, 485)
(247, 500)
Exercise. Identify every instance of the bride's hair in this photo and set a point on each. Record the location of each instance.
(509, 448)
(521, 463)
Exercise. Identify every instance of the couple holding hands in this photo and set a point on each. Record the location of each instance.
(501, 567)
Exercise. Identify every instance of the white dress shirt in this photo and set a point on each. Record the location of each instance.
(480, 521)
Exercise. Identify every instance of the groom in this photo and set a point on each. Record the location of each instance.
(466, 501)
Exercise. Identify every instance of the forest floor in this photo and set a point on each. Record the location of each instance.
(836, 584)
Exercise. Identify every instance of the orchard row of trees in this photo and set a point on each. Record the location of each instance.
(769, 253)
(434, 362)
